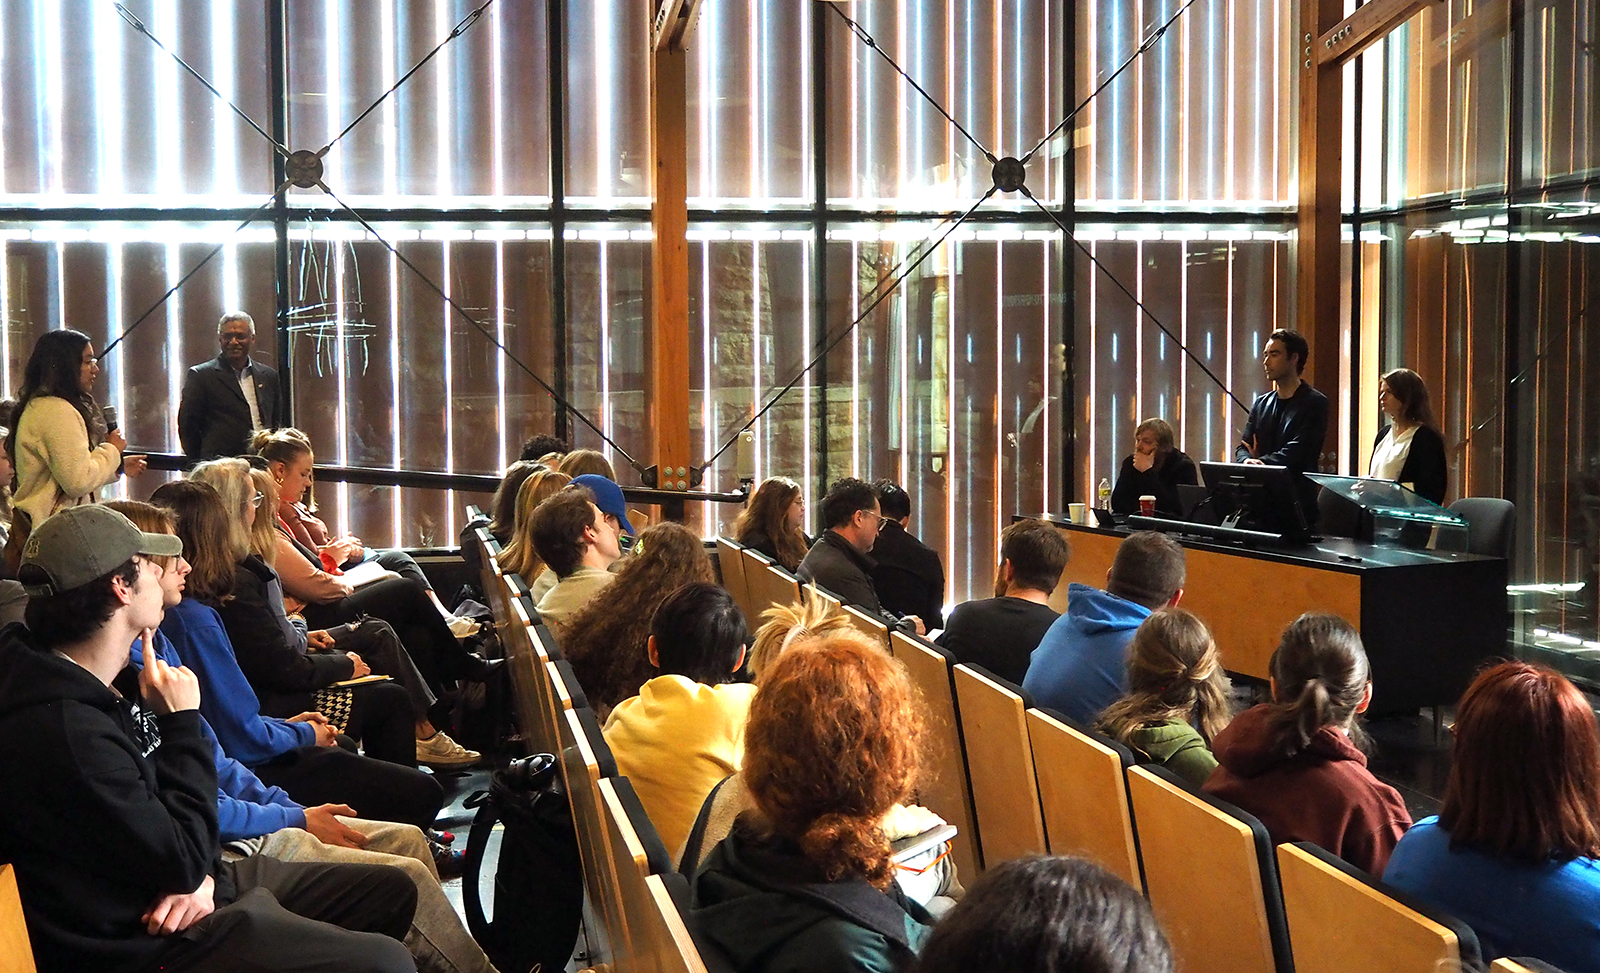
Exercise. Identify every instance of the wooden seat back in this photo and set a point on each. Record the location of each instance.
(1210, 876)
(730, 558)
(657, 936)
(530, 687)
(869, 626)
(1521, 964)
(945, 788)
(16, 951)
(585, 761)
(1005, 797)
(1340, 918)
(1083, 793)
(773, 585)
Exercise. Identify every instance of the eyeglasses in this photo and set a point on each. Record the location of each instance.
(255, 501)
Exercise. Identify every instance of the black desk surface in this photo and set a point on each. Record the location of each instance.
(1325, 553)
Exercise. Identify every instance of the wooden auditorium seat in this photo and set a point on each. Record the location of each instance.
(944, 788)
(1211, 877)
(530, 683)
(868, 626)
(755, 577)
(730, 559)
(774, 586)
(1340, 918)
(16, 952)
(1083, 792)
(1005, 797)
(585, 762)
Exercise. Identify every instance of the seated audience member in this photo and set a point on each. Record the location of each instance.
(685, 729)
(1000, 633)
(839, 561)
(1080, 666)
(519, 556)
(301, 754)
(1177, 699)
(1409, 449)
(60, 448)
(908, 575)
(1297, 764)
(576, 541)
(1156, 467)
(326, 600)
(804, 880)
(501, 516)
(542, 445)
(1515, 849)
(607, 639)
(110, 810)
(785, 625)
(290, 461)
(587, 462)
(772, 523)
(285, 663)
(1055, 914)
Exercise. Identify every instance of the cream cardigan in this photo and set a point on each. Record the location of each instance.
(55, 466)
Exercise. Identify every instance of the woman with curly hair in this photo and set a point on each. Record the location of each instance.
(1177, 699)
(770, 525)
(607, 640)
(518, 556)
(805, 880)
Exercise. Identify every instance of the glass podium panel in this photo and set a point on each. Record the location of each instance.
(1396, 516)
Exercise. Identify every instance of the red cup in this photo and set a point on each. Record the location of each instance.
(1147, 506)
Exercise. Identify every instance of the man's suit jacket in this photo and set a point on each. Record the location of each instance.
(214, 418)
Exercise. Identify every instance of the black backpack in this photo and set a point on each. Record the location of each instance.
(538, 884)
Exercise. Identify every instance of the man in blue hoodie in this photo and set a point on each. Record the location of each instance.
(1080, 667)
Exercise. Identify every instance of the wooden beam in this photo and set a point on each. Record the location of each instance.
(667, 340)
(1371, 23)
(1317, 250)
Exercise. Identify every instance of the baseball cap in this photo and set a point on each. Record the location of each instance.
(86, 542)
(607, 496)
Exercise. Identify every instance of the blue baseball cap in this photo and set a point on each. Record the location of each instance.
(607, 496)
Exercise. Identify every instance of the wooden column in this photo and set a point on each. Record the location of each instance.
(667, 340)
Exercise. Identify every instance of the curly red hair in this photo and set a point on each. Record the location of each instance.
(832, 743)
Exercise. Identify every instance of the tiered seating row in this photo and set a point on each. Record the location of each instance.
(1014, 780)
(636, 902)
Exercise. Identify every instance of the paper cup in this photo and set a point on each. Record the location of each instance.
(1147, 505)
(1076, 512)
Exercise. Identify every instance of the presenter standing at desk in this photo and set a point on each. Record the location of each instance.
(1287, 424)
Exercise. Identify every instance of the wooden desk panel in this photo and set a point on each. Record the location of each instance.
(1428, 619)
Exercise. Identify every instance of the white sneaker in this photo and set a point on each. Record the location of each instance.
(461, 626)
(441, 751)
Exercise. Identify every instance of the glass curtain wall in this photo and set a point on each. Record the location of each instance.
(1480, 259)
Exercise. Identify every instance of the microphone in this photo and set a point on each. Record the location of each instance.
(744, 457)
(109, 413)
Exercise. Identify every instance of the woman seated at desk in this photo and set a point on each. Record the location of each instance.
(1409, 450)
(1156, 468)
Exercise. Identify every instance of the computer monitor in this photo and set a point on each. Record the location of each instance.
(1251, 497)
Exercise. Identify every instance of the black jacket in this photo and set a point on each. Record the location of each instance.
(105, 809)
(1160, 482)
(279, 672)
(843, 570)
(908, 576)
(1286, 432)
(214, 418)
(1426, 468)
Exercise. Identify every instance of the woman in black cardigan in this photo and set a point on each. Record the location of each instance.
(1409, 450)
(1155, 468)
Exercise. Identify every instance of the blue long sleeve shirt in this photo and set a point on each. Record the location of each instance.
(226, 700)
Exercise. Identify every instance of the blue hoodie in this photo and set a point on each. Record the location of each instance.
(226, 700)
(246, 808)
(1080, 666)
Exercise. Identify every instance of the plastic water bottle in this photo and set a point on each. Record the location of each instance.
(1104, 494)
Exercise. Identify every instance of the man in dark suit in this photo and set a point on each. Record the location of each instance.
(908, 574)
(227, 398)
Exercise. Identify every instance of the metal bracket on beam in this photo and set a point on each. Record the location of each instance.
(1370, 24)
(673, 20)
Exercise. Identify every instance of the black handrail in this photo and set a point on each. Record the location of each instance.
(466, 482)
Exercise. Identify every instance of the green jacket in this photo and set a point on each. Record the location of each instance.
(1176, 746)
(771, 911)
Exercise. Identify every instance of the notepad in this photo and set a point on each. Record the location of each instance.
(366, 573)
